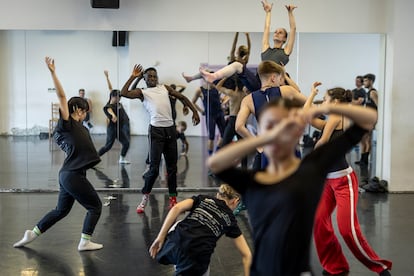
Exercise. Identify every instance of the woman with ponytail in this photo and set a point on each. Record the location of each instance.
(340, 192)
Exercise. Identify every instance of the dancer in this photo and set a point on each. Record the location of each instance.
(270, 74)
(74, 139)
(277, 53)
(239, 67)
(213, 111)
(181, 128)
(236, 95)
(340, 192)
(289, 187)
(190, 243)
(117, 125)
(243, 53)
(371, 101)
(162, 133)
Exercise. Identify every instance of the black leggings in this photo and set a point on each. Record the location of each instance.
(74, 186)
(112, 134)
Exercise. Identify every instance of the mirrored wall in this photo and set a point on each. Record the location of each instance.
(29, 162)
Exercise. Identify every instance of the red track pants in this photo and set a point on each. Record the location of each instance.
(342, 192)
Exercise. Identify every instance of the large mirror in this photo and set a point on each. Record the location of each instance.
(30, 162)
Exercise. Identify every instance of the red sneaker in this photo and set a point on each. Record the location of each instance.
(173, 202)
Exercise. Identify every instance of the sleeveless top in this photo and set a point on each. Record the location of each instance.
(368, 100)
(260, 98)
(277, 55)
(340, 163)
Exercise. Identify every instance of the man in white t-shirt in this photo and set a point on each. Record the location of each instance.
(162, 130)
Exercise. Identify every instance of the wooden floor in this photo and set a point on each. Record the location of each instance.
(29, 184)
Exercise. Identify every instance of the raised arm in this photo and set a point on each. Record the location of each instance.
(133, 93)
(63, 103)
(268, 10)
(180, 88)
(292, 33)
(249, 46)
(172, 216)
(225, 158)
(233, 48)
(186, 102)
(243, 248)
(366, 118)
(291, 82)
(108, 81)
(316, 122)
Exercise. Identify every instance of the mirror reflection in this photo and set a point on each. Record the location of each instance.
(119, 131)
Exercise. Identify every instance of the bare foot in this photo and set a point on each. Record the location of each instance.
(187, 78)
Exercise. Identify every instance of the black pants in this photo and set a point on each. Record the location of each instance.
(112, 133)
(74, 186)
(162, 141)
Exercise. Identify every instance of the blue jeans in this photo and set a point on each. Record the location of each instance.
(74, 186)
(171, 253)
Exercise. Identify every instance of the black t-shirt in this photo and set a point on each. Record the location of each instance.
(358, 93)
(119, 111)
(181, 136)
(197, 234)
(282, 214)
(74, 139)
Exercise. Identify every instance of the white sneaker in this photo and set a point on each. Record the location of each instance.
(122, 160)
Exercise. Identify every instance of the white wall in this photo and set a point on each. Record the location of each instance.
(365, 16)
(81, 57)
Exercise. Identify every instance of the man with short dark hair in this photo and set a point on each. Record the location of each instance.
(162, 133)
(371, 101)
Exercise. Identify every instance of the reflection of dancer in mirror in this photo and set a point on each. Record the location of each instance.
(213, 112)
(87, 120)
(117, 123)
(190, 243)
(80, 154)
(277, 53)
(289, 187)
(340, 193)
(181, 128)
(238, 65)
(235, 95)
(370, 101)
(162, 132)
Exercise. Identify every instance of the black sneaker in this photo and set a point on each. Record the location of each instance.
(385, 273)
(326, 273)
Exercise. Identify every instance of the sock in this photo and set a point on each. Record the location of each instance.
(217, 148)
(29, 236)
(210, 152)
(86, 244)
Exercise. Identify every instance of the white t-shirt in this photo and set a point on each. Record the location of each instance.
(157, 103)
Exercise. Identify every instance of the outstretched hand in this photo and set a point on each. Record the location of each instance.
(137, 71)
(156, 247)
(50, 62)
(267, 6)
(315, 87)
(290, 8)
(106, 73)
